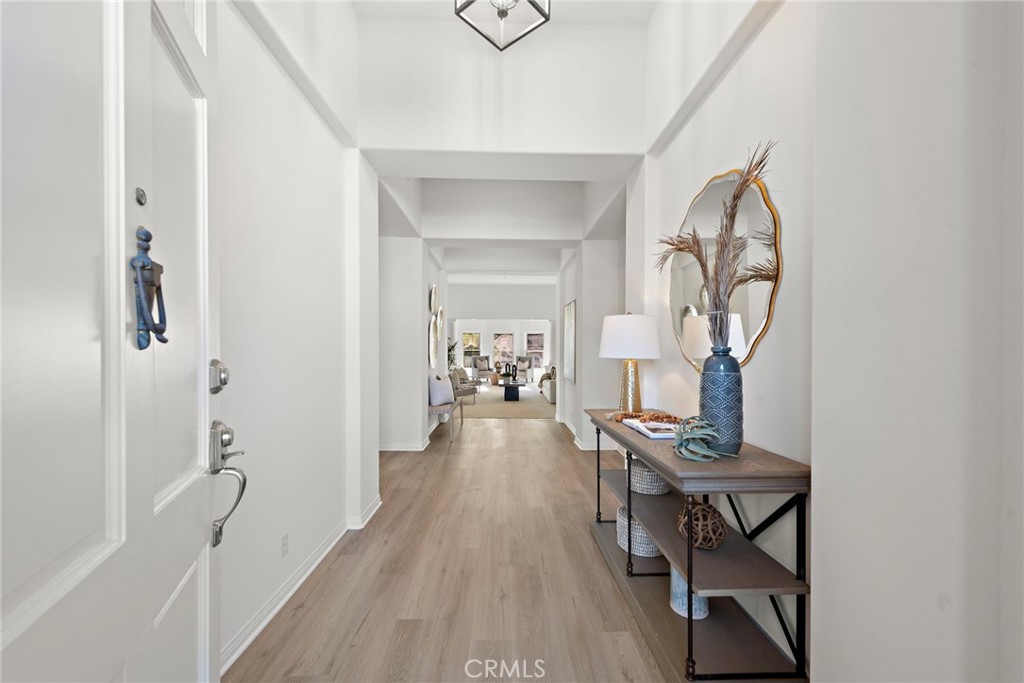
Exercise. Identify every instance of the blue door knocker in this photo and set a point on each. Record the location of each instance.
(147, 287)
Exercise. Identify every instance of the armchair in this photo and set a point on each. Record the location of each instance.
(463, 385)
(480, 367)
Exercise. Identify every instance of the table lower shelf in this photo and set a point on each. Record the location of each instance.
(728, 641)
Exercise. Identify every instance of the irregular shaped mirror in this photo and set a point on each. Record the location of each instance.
(752, 304)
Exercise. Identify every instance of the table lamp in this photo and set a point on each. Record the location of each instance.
(631, 338)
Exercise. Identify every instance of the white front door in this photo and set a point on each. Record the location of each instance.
(107, 559)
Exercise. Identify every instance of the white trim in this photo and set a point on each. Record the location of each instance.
(355, 523)
(399, 446)
(742, 38)
(117, 333)
(39, 599)
(205, 673)
(259, 25)
(241, 640)
(175, 593)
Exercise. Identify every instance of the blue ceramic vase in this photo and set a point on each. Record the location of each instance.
(721, 398)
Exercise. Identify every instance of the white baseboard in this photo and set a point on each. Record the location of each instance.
(368, 513)
(584, 446)
(405, 446)
(241, 640)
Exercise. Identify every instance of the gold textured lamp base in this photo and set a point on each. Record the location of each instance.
(629, 391)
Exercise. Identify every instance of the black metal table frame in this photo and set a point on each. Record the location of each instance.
(798, 501)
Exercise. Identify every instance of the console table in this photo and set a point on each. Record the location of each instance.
(728, 644)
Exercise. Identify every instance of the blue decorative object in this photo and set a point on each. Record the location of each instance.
(721, 399)
(147, 274)
(677, 598)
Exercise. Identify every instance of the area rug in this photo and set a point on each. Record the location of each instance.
(491, 403)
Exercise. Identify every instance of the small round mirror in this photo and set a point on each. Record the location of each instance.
(753, 303)
(432, 301)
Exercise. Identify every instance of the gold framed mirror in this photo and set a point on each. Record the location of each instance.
(752, 304)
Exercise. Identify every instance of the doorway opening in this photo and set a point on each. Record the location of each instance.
(509, 362)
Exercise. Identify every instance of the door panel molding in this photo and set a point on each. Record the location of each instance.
(187, 55)
(25, 604)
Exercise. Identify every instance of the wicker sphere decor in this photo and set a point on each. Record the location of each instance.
(709, 527)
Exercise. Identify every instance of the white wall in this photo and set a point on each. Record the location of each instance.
(362, 347)
(594, 278)
(279, 337)
(432, 276)
(530, 302)
(403, 350)
(440, 86)
(885, 186)
(323, 37)
(719, 137)
(924, 122)
(682, 40)
(567, 407)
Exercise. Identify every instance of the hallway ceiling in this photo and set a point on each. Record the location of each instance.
(407, 163)
(617, 12)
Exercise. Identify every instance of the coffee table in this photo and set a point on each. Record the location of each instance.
(511, 387)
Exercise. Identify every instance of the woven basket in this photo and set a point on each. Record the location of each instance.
(646, 481)
(643, 546)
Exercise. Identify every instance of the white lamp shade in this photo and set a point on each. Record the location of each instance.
(629, 336)
(697, 337)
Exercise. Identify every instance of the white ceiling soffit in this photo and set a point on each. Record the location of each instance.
(459, 243)
(619, 12)
(611, 223)
(392, 218)
(399, 163)
(501, 279)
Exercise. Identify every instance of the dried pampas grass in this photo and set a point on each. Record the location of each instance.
(723, 276)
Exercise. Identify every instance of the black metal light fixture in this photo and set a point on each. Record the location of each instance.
(503, 22)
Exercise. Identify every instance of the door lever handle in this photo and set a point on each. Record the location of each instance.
(232, 454)
(218, 524)
(221, 437)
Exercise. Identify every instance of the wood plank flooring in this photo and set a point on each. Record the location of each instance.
(482, 550)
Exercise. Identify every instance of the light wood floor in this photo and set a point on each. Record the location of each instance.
(482, 550)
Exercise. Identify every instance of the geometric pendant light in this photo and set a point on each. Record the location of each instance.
(503, 22)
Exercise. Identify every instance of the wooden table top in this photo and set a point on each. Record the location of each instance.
(756, 470)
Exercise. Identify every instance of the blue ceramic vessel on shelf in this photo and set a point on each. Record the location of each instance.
(721, 398)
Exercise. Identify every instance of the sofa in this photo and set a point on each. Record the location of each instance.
(549, 385)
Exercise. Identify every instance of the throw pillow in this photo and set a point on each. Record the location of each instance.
(440, 391)
(522, 363)
(482, 362)
(463, 375)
